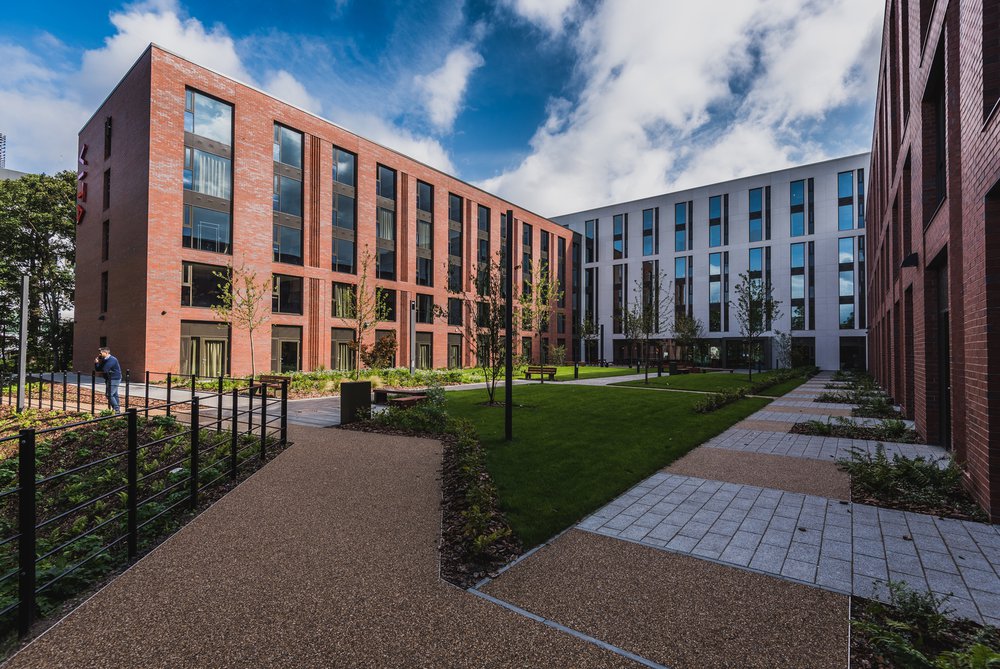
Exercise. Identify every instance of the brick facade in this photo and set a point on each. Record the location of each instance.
(142, 323)
(934, 342)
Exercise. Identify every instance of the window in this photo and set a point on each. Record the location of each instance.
(425, 197)
(206, 173)
(861, 198)
(760, 214)
(286, 294)
(861, 283)
(287, 242)
(798, 286)
(561, 323)
(425, 350)
(483, 250)
(425, 271)
(454, 242)
(286, 348)
(107, 188)
(104, 292)
(388, 296)
(934, 111)
(343, 300)
(107, 138)
(590, 294)
(207, 229)
(991, 58)
(425, 309)
(619, 280)
(718, 220)
(683, 213)
(385, 224)
(796, 202)
(204, 349)
(454, 208)
(845, 201)
(561, 272)
(718, 292)
(456, 223)
(200, 285)
(484, 220)
(527, 252)
(344, 212)
(590, 243)
(287, 146)
(683, 286)
(105, 239)
(208, 117)
(425, 234)
(651, 293)
(620, 240)
(342, 355)
(454, 311)
(454, 351)
(650, 231)
(845, 252)
(287, 195)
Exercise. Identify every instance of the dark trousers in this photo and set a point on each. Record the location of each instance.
(113, 394)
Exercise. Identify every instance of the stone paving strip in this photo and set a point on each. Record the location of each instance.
(837, 545)
(787, 401)
(326, 557)
(808, 446)
(768, 414)
(677, 610)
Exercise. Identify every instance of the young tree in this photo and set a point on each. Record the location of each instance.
(647, 313)
(782, 349)
(484, 324)
(368, 307)
(589, 331)
(689, 334)
(538, 299)
(756, 309)
(243, 301)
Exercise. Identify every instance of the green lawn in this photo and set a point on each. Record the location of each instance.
(576, 448)
(782, 388)
(710, 382)
(565, 372)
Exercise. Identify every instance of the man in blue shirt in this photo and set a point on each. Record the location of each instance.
(107, 363)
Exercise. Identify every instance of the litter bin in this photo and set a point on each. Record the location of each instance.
(672, 367)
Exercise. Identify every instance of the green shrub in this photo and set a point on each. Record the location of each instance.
(714, 401)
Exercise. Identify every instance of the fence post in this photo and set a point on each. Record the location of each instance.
(26, 531)
(168, 393)
(133, 484)
(128, 376)
(218, 417)
(284, 412)
(52, 390)
(192, 385)
(263, 423)
(250, 411)
(93, 390)
(64, 391)
(234, 445)
(194, 452)
(145, 402)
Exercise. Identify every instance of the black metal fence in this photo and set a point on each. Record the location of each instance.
(84, 499)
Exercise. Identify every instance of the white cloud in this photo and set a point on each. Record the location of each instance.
(657, 109)
(444, 89)
(285, 86)
(548, 14)
(427, 150)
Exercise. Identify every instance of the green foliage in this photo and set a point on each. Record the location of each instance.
(382, 354)
(914, 631)
(718, 400)
(893, 430)
(916, 484)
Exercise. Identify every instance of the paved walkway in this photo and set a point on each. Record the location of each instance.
(807, 446)
(327, 557)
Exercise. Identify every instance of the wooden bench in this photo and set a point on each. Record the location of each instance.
(273, 382)
(406, 400)
(541, 371)
(382, 394)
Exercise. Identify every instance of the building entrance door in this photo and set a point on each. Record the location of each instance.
(289, 356)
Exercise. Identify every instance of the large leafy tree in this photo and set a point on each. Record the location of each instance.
(38, 238)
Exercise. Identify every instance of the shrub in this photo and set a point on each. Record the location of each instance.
(709, 403)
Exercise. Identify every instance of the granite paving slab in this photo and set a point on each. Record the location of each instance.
(739, 438)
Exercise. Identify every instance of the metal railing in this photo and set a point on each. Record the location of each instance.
(105, 511)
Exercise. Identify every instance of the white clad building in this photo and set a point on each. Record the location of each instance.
(802, 228)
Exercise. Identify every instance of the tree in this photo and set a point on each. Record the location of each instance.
(647, 313)
(382, 354)
(756, 309)
(368, 307)
(589, 331)
(484, 322)
(689, 334)
(782, 349)
(38, 238)
(243, 301)
(538, 299)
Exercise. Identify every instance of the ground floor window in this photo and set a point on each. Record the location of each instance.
(286, 348)
(342, 349)
(454, 351)
(204, 349)
(803, 351)
(852, 353)
(425, 350)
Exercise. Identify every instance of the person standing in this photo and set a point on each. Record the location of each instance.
(108, 364)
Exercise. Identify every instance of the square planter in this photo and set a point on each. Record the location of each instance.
(355, 400)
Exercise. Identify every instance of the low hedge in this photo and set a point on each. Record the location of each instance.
(718, 400)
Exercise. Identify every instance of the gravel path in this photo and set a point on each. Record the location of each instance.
(326, 557)
(811, 477)
(678, 610)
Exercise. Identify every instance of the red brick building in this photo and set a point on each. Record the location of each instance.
(934, 228)
(184, 171)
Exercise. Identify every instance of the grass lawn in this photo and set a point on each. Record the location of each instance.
(565, 372)
(576, 448)
(782, 388)
(711, 382)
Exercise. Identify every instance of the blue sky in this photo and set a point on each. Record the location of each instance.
(558, 105)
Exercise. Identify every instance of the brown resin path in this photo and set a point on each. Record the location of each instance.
(326, 557)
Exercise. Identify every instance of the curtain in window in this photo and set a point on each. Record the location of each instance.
(214, 360)
(423, 234)
(342, 301)
(424, 356)
(345, 358)
(211, 174)
(386, 224)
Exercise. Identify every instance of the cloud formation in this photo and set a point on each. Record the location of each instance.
(675, 95)
(550, 15)
(444, 89)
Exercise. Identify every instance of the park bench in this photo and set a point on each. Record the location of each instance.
(406, 401)
(540, 371)
(273, 382)
(382, 395)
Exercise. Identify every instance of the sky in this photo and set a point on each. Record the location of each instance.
(556, 105)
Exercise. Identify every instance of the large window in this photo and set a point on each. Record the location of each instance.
(287, 146)
(343, 300)
(454, 311)
(287, 242)
(759, 268)
(798, 285)
(286, 348)
(718, 220)
(286, 294)
(385, 225)
(527, 254)
(845, 260)
(991, 58)
(344, 212)
(425, 234)
(425, 350)
(683, 286)
(207, 173)
(619, 229)
(425, 309)
(389, 299)
(650, 231)
(456, 224)
(718, 292)
(861, 198)
(207, 229)
(208, 117)
(845, 201)
(342, 356)
(797, 203)
(287, 197)
(483, 249)
(760, 214)
(204, 349)
(590, 243)
(683, 213)
(200, 285)
(619, 283)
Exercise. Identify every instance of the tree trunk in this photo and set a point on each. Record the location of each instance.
(253, 368)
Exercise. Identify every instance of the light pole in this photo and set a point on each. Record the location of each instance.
(509, 336)
(23, 358)
(413, 336)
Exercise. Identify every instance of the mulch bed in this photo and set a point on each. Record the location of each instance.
(859, 496)
(457, 566)
(855, 432)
